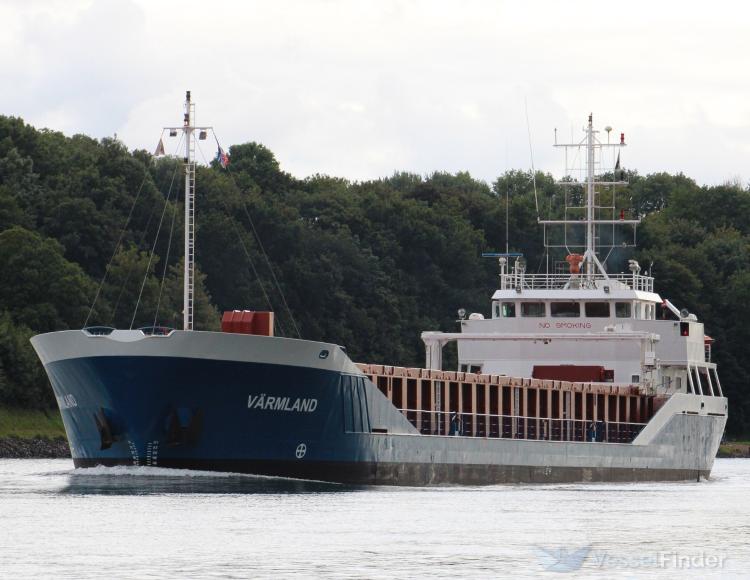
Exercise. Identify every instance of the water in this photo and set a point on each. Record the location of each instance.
(141, 522)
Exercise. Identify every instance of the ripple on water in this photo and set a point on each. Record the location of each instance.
(137, 522)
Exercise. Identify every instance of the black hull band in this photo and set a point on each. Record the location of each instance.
(416, 474)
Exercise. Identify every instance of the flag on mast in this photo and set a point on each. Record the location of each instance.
(617, 165)
(159, 148)
(222, 157)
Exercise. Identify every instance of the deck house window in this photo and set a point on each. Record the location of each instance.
(622, 309)
(509, 309)
(565, 309)
(597, 309)
(533, 309)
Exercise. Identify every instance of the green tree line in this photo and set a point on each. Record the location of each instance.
(368, 265)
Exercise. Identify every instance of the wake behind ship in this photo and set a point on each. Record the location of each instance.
(572, 377)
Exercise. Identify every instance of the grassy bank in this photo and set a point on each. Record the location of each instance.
(734, 449)
(29, 424)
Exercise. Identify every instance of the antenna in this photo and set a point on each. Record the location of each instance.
(507, 217)
(531, 154)
(507, 202)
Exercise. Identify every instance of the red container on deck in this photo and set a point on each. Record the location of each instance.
(247, 322)
(236, 319)
(572, 373)
(244, 323)
(226, 321)
(263, 323)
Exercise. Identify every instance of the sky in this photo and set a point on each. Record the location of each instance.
(362, 89)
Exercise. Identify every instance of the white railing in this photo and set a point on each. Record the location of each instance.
(572, 281)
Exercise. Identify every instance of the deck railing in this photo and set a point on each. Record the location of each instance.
(559, 281)
(520, 427)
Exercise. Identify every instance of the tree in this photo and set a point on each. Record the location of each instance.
(365, 264)
(170, 313)
(130, 291)
(24, 383)
(39, 286)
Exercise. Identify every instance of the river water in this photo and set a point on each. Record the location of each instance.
(142, 522)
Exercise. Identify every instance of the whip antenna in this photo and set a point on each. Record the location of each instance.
(531, 154)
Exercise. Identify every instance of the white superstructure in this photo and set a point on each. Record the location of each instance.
(582, 316)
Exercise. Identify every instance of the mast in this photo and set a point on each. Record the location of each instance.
(590, 250)
(188, 131)
(590, 214)
(189, 274)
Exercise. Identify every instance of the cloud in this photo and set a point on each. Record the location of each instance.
(81, 65)
(363, 89)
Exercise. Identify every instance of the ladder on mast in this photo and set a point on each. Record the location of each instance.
(189, 130)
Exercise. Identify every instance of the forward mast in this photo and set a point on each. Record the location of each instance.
(188, 131)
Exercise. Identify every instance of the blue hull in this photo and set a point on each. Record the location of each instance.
(180, 411)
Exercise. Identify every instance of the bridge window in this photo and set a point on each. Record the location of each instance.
(717, 384)
(705, 381)
(509, 309)
(597, 309)
(565, 309)
(623, 309)
(533, 309)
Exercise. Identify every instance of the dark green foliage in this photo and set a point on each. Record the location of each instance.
(40, 288)
(24, 382)
(367, 265)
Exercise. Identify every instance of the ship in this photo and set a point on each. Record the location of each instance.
(574, 375)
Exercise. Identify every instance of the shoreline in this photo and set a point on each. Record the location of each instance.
(34, 448)
(734, 450)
